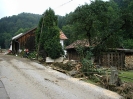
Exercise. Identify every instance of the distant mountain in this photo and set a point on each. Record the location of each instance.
(15, 22)
(10, 26)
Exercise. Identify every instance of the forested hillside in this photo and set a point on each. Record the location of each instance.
(13, 25)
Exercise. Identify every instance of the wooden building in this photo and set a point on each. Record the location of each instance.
(118, 57)
(27, 41)
(71, 49)
(24, 41)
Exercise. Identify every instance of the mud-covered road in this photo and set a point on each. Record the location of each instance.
(25, 79)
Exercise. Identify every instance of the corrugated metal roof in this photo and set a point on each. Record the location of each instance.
(84, 42)
(24, 33)
(125, 50)
(17, 36)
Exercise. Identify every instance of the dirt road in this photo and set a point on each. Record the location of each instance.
(25, 79)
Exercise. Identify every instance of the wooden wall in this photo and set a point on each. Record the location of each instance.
(116, 59)
(72, 54)
(25, 40)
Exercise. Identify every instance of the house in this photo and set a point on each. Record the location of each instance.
(24, 40)
(118, 57)
(71, 49)
(62, 38)
(27, 41)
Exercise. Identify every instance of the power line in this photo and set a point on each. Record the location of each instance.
(64, 4)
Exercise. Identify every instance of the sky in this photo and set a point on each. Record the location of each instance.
(61, 7)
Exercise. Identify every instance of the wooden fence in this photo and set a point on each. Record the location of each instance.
(109, 59)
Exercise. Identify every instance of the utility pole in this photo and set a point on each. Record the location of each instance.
(39, 43)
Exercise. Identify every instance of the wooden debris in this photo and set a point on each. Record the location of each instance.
(78, 66)
(129, 61)
(60, 70)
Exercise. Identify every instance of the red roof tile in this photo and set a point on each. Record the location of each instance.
(62, 36)
(84, 42)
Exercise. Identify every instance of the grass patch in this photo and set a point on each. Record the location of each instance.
(126, 76)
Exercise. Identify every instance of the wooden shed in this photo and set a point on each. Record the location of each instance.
(118, 57)
(24, 41)
(71, 49)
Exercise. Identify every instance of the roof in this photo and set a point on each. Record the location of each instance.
(84, 43)
(17, 36)
(21, 34)
(62, 36)
(125, 50)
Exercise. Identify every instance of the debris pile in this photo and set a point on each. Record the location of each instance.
(109, 81)
(125, 89)
(72, 68)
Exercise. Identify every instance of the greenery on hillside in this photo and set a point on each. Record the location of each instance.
(13, 25)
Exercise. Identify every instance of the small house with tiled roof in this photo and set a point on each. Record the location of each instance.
(62, 38)
(71, 49)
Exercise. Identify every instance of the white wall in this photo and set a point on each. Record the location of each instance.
(62, 43)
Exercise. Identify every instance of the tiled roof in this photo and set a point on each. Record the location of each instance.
(62, 36)
(84, 42)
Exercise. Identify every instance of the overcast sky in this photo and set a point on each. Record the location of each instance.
(61, 7)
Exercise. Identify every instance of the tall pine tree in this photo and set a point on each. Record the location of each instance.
(47, 35)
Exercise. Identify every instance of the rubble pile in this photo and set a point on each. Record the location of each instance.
(108, 81)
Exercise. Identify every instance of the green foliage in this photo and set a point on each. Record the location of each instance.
(69, 32)
(61, 21)
(97, 20)
(128, 43)
(5, 40)
(16, 24)
(32, 55)
(105, 24)
(52, 44)
(21, 30)
(49, 39)
(86, 55)
(126, 76)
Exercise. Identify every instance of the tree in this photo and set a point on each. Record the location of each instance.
(47, 35)
(126, 15)
(100, 22)
(7, 40)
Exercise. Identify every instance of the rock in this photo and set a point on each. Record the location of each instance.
(73, 72)
(65, 61)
